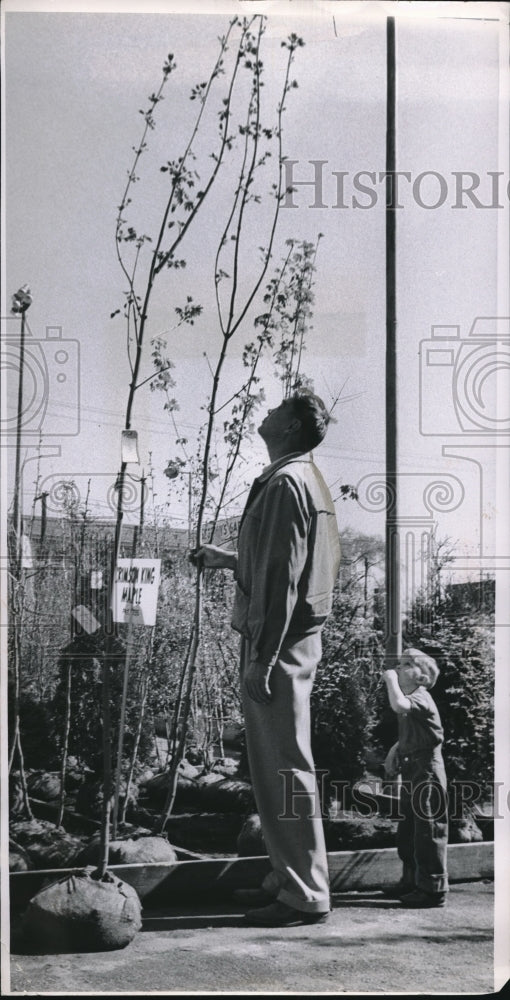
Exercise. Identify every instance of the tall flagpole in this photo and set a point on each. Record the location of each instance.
(393, 623)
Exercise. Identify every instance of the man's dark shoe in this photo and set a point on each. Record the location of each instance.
(419, 899)
(280, 915)
(252, 897)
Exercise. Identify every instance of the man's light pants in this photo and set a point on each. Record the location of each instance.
(278, 740)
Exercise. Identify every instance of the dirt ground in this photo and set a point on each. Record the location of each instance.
(369, 945)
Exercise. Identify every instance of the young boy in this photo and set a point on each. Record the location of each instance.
(422, 834)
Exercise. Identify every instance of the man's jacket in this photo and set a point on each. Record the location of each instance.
(288, 556)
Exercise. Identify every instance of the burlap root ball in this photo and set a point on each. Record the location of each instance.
(129, 850)
(156, 789)
(44, 785)
(226, 766)
(81, 913)
(46, 845)
(250, 841)
(19, 860)
(227, 796)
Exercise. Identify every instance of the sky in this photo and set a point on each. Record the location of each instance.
(74, 82)
(74, 85)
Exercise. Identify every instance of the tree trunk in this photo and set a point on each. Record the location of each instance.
(107, 769)
(67, 728)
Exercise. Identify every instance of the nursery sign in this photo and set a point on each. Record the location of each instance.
(135, 591)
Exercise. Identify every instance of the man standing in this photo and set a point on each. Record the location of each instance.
(285, 569)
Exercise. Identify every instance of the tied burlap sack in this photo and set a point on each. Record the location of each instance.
(46, 845)
(226, 766)
(44, 785)
(156, 789)
(227, 796)
(128, 850)
(250, 841)
(19, 860)
(82, 913)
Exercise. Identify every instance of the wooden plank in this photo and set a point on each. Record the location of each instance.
(218, 876)
(474, 863)
(358, 870)
(349, 871)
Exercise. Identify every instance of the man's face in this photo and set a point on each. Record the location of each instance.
(277, 421)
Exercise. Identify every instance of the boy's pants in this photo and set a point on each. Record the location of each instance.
(422, 834)
(278, 739)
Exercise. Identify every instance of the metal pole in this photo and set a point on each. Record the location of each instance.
(393, 623)
(189, 474)
(16, 507)
(20, 303)
(143, 480)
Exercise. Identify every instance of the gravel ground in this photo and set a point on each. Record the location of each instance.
(368, 945)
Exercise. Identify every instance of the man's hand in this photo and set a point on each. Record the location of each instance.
(256, 680)
(213, 557)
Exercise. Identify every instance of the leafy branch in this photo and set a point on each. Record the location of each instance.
(231, 313)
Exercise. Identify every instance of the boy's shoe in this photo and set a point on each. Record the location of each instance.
(280, 915)
(419, 899)
(398, 891)
(252, 897)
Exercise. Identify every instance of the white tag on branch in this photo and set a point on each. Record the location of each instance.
(27, 561)
(85, 618)
(130, 447)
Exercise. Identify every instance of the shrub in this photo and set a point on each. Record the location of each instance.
(84, 654)
(340, 724)
(344, 694)
(37, 736)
